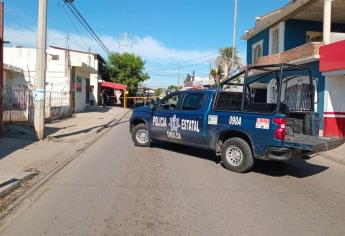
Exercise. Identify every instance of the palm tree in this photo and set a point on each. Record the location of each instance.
(216, 74)
(224, 60)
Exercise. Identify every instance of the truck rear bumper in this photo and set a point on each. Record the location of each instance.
(283, 153)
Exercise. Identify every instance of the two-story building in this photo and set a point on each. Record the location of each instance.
(294, 34)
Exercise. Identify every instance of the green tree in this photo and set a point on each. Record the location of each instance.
(216, 74)
(173, 88)
(127, 69)
(158, 92)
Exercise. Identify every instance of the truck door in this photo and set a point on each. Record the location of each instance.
(161, 120)
(192, 118)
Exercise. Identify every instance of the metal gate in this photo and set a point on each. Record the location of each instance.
(18, 105)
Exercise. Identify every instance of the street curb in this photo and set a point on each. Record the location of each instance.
(16, 184)
(333, 158)
(45, 178)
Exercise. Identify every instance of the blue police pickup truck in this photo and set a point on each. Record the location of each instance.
(263, 112)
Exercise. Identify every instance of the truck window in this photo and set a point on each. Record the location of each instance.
(229, 101)
(261, 93)
(193, 101)
(169, 103)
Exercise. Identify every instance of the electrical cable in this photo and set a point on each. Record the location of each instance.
(75, 27)
(86, 26)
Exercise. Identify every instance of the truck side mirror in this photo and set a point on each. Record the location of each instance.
(155, 104)
(152, 106)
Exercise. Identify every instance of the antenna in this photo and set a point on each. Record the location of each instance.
(126, 43)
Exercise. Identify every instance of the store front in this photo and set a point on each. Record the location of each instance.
(332, 66)
(117, 90)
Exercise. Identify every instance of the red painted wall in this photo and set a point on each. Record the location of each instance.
(334, 124)
(332, 57)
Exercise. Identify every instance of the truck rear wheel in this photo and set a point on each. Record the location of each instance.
(237, 155)
(140, 136)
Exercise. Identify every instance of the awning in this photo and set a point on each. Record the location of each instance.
(114, 86)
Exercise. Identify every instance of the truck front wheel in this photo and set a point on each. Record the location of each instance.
(237, 155)
(140, 136)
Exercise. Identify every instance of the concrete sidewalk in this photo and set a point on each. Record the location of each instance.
(337, 155)
(21, 159)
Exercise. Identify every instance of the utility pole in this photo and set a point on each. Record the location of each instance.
(209, 73)
(67, 41)
(126, 43)
(179, 72)
(234, 36)
(1, 65)
(40, 79)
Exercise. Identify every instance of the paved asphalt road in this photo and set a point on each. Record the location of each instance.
(115, 188)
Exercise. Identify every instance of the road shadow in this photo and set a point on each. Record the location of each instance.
(186, 150)
(298, 168)
(96, 109)
(19, 131)
(83, 131)
(10, 145)
(52, 130)
(118, 123)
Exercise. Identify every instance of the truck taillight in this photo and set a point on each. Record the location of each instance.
(280, 132)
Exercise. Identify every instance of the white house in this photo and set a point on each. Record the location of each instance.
(193, 81)
(72, 76)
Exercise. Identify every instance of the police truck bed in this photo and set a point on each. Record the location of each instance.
(312, 143)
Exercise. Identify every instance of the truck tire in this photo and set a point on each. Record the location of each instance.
(237, 155)
(140, 136)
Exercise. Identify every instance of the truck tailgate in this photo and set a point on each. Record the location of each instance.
(312, 143)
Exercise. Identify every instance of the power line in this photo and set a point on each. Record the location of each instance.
(187, 63)
(95, 37)
(75, 27)
(86, 25)
(181, 66)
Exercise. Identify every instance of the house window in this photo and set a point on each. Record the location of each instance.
(314, 36)
(277, 38)
(78, 84)
(257, 51)
(55, 57)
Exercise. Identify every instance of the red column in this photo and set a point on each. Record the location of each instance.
(1, 64)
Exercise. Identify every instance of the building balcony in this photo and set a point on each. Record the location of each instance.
(302, 54)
